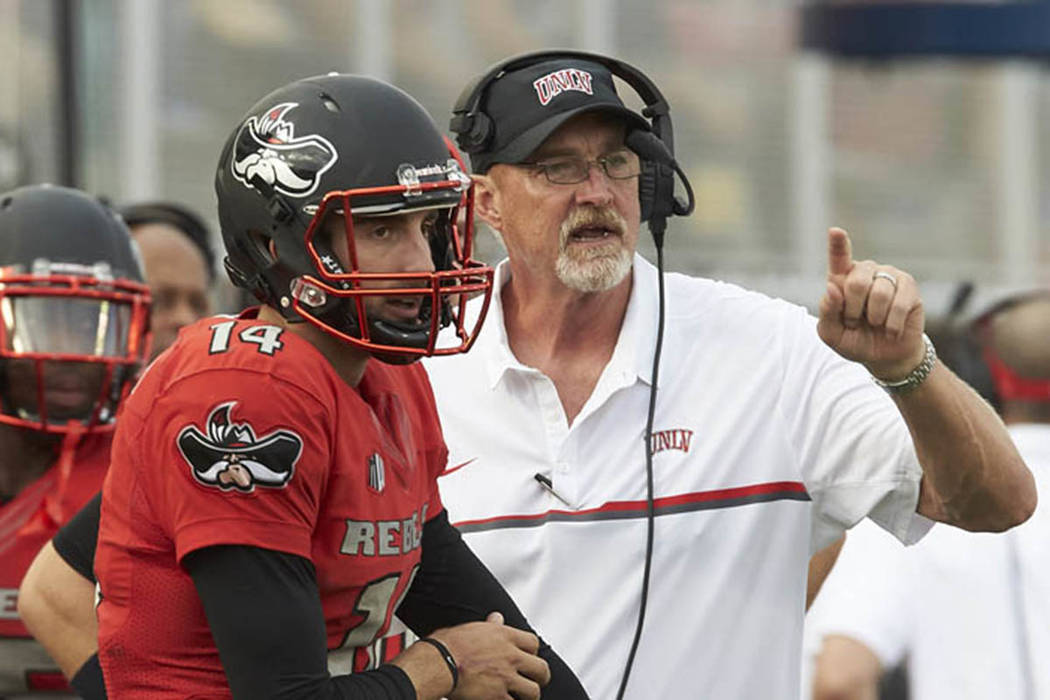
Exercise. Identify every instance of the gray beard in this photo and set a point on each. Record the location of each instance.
(597, 272)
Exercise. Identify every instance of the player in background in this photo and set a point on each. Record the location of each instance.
(970, 613)
(272, 496)
(179, 263)
(56, 601)
(74, 332)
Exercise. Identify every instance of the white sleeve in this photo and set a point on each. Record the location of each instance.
(869, 596)
(853, 447)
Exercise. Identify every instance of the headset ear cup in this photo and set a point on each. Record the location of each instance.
(479, 135)
(663, 201)
(647, 189)
(656, 190)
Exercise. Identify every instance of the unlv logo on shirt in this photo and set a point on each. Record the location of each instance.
(267, 147)
(230, 456)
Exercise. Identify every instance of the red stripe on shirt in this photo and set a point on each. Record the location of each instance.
(730, 494)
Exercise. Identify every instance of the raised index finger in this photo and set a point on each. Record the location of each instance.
(840, 252)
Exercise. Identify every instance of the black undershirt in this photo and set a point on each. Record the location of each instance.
(75, 542)
(283, 653)
(271, 638)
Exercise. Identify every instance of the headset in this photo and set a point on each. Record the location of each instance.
(656, 184)
(474, 131)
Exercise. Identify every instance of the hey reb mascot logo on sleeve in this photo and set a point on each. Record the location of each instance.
(230, 456)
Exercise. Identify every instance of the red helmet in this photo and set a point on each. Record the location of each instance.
(74, 311)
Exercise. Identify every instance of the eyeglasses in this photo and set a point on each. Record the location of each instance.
(621, 164)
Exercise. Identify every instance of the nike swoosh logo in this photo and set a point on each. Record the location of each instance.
(457, 467)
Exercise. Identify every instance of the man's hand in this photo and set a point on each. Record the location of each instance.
(494, 660)
(973, 476)
(871, 313)
(846, 669)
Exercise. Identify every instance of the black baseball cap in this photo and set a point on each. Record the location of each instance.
(526, 105)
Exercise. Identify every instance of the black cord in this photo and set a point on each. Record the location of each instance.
(657, 226)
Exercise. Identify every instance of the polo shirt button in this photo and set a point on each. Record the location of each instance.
(562, 468)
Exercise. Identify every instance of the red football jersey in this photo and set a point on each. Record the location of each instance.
(243, 434)
(27, 523)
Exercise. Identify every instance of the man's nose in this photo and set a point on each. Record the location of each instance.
(415, 255)
(184, 313)
(596, 189)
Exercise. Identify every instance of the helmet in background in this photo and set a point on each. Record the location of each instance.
(74, 311)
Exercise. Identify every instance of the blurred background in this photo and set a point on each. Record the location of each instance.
(923, 128)
(939, 164)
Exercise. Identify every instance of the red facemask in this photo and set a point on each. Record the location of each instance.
(444, 291)
(72, 341)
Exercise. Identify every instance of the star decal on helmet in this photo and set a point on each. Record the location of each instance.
(230, 456)
(267, 148)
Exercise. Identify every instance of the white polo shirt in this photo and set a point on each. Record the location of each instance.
(970, 611)
(767, 443)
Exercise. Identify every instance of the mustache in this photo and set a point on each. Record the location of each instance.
(592, 217)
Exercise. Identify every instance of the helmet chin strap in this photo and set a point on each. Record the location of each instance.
(388, 332)
(381, 331)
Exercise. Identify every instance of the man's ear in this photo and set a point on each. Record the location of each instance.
(487, 201)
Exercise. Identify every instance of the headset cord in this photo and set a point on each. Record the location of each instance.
(1017, 601)
(657, 227)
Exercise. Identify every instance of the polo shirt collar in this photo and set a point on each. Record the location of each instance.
(492, 341)
(637, 342)
(633, 354)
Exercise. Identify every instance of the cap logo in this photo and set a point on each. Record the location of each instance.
(553, 84)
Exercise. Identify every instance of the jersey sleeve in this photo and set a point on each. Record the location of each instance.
(236, 457)
(437, 459)
(853, 447)
(434, 448)
(282, 612)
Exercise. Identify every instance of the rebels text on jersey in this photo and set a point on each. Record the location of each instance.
(27, 522)
(243, 434)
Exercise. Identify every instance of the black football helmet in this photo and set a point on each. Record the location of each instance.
(74, 311)
(357, 147)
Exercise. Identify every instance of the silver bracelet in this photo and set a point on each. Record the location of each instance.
(917, 376)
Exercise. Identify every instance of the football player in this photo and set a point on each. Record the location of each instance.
(272, 494)
(74, 331)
